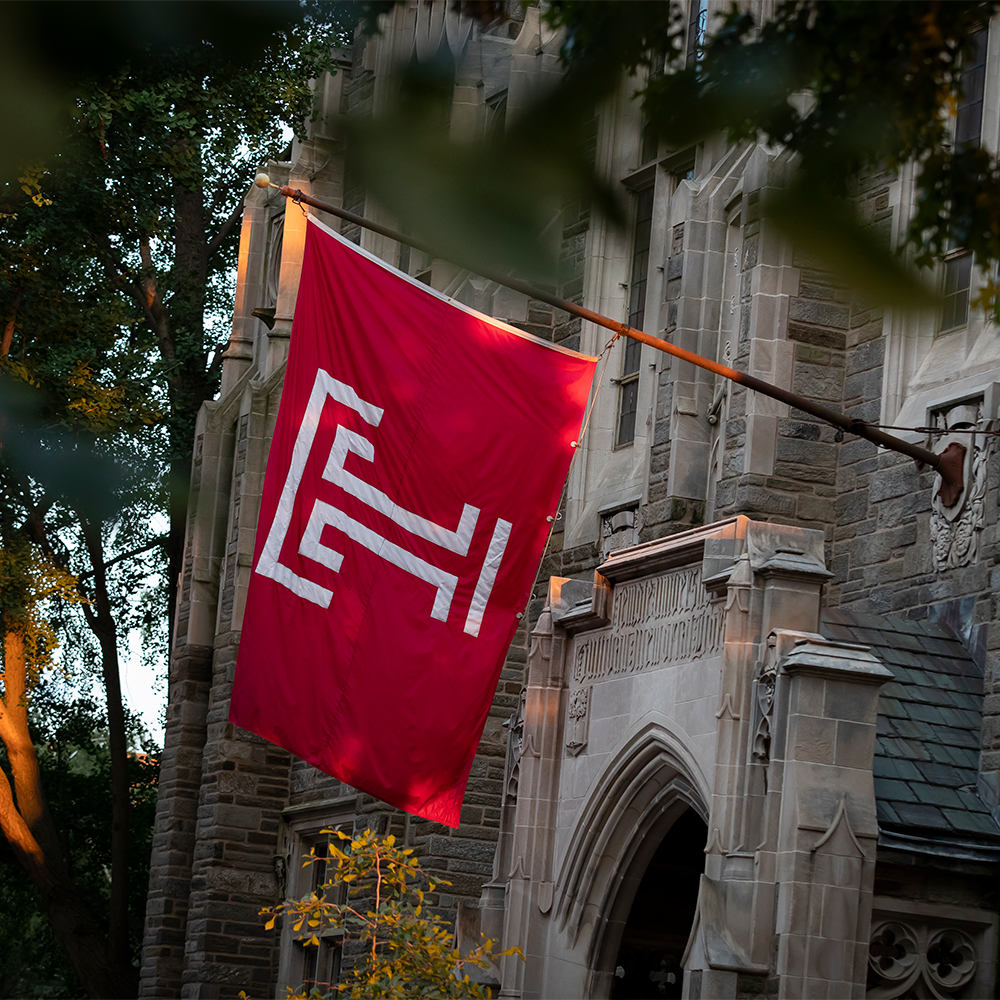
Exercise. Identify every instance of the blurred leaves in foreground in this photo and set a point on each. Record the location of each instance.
(842, 89)
(47, 49)
(65, 466)
(827, 230)
(489, 204)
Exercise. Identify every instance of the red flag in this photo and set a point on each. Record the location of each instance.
(419, 450)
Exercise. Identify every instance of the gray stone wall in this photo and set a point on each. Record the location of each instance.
(801, 488)
(357, 99)
(244, 788)
(663, 513)
(174, 832)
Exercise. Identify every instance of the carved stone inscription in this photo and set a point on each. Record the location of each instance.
(669, 619)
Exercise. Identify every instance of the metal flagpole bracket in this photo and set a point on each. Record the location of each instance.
(949, 465)
(951, 468)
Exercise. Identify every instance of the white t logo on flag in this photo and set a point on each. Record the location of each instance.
(324, 514)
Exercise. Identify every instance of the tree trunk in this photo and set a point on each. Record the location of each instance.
(187, 334)
(102, 624)
(85, 947)
(31, 834)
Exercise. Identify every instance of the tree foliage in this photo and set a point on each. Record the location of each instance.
(844, 88)
(55, 583)
(70, 735)
(116, 257)
(374, 897)
(79, 456)
(140, 202)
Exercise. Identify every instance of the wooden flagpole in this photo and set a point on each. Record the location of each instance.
(949, 464)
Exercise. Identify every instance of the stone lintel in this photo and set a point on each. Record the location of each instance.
(320, 805)
(682, 549)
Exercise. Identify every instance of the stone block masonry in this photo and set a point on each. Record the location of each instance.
(789, 474)
(174, 833)
(357, 98)
(244, 788)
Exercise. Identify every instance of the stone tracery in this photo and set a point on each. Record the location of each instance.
(909, 959)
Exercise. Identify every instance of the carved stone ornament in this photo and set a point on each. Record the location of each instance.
(951, 958)
(907, 958)
(577, 716)
(273, 276)
(512, 765)
(767, 677)
(620, 529)
(955, 530)
(892, 953)
(669, 619)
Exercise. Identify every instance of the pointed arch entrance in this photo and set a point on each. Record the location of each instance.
(656, 931)
(650, 789)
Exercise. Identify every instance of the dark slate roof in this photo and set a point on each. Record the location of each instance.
(929, 725)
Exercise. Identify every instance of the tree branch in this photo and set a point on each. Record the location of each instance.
(34, 525)
(149, 292)
(159, 540)
(116, 273)
(217, 353)
(152, 304)
(227, 227)
(16, 831)
(8, 333)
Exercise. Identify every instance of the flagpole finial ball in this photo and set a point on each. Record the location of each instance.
(262, 180)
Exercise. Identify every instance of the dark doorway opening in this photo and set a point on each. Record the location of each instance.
(658, 925)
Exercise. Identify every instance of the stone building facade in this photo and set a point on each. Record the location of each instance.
(747, 740)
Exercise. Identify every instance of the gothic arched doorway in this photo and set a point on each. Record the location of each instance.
(659, 922)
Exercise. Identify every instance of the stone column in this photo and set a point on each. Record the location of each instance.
(824, 743)
(190, 678)
(259, 244)
(244, 779)
(530, 887)
(775, 578)
(174, 827)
